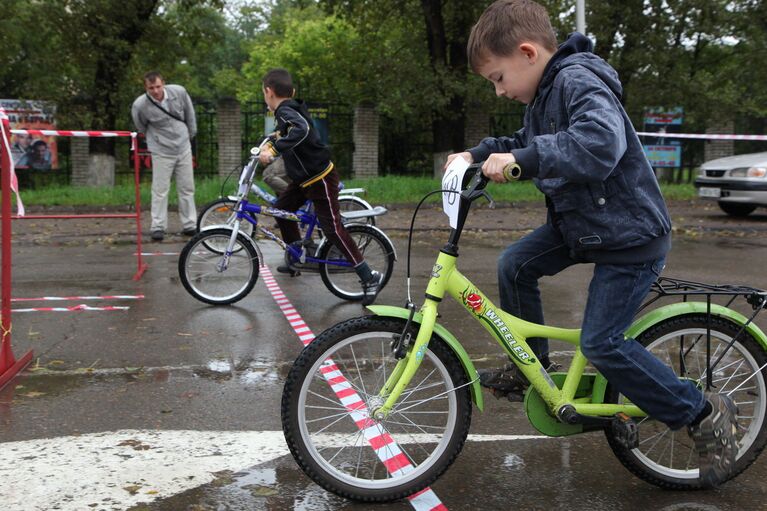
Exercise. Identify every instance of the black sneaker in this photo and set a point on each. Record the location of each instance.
(715, 441)
(508, 381)
(158, 235)
(371, 287)
(189, 232)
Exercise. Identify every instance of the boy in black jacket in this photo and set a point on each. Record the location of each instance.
(307, 162)
(604, 207)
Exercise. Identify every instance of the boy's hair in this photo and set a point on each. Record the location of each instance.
(153, 76)
(506, 24)
(280, 81)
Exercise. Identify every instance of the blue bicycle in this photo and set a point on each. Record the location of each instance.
(220, 265)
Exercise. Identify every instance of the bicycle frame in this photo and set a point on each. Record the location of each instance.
(510, 332)
(247, 211)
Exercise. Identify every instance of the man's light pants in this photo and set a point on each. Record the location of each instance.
(163, 168)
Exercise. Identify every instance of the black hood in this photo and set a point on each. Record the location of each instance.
(298, 105)
(577, 50)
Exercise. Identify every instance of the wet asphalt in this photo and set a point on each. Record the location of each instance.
(171, 363)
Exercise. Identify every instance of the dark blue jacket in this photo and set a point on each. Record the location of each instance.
(579, 147)
(305, 156)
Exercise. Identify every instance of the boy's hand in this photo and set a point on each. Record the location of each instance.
(265, 157)
(493, 166)
(466, 155)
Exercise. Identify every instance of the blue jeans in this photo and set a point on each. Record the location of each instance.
(615, 293)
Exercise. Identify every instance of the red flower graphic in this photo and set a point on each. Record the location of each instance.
(474, 301)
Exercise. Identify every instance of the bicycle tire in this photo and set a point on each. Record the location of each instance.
(219, 212)
(664, 340)
(377, 251)
(197, 267)
(356, 354)
(350, 203)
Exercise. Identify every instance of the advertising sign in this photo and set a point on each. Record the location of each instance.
(319, 115)
(38, 153)
(662, 151)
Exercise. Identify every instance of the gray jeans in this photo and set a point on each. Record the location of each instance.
(164, 167)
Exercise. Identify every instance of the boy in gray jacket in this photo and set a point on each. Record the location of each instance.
(165, 115)
(604, 207)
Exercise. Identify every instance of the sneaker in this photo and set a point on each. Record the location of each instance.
(508, 381)
(284, 268)
(189, 232)
(715, 441)
(371, 288)
(158, 235)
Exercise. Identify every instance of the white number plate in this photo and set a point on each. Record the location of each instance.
(710, 192)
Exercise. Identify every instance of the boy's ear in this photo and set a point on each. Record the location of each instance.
(529, 51)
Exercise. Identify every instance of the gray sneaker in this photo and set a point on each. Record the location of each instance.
(715, 441)
(371, 288)
(508, 381)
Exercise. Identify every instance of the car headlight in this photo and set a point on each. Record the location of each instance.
(749, 172)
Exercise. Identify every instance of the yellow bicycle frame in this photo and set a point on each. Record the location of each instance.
(510, 332)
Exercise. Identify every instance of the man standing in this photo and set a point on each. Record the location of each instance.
(165, 115)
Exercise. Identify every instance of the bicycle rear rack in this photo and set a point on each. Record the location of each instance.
(669, 287)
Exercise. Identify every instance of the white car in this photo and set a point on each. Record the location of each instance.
(737, 183)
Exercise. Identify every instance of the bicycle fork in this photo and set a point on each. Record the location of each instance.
(405, 369)
(223, 264)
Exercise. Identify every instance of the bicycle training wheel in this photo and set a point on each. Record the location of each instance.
(377, 250)
(333, 386)
(221, 212)
(351, 203)
(200, 267)
(668, 458)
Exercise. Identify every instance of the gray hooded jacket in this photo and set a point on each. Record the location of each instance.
(164, 134)
(579, 147)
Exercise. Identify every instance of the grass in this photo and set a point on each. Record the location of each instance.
(385, 190)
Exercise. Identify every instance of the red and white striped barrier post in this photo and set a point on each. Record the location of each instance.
(141, 265)
(9, 366)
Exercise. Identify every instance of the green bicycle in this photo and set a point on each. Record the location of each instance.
(376, 408)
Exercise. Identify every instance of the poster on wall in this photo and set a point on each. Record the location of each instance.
(32, 152)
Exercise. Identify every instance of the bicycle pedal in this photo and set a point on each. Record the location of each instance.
(625, 431)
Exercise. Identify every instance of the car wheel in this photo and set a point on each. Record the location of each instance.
(734, 209)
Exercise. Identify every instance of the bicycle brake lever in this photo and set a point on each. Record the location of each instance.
(487, 196)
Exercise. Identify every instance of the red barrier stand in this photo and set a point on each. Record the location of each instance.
(9, 366)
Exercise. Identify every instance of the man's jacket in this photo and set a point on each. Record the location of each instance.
(579, 147)
(164, 134)
(306, 158)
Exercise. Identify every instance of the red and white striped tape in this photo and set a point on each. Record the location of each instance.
(707, 136)
(378, 438)
(73, 133)
(64, 298)
(74, 308)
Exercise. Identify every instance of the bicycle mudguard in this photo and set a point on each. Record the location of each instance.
(450, 340)
(655, 316)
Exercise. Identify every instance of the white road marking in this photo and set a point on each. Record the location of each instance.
(120, 469)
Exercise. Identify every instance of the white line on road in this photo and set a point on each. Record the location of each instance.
(121, 469)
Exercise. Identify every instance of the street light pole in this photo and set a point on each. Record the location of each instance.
(580, 16)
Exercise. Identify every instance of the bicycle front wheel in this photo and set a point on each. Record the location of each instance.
(377, 251)
(333, 387)
(211, 277)
(668, 458)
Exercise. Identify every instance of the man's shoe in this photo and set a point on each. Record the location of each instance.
(715, 441)
(284, 268)
(371, 287)
(189, 232)
(158, 235)
(508, 381)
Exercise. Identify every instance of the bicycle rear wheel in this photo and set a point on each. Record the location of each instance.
(218, 213)
(334, 385)
(377, 251)
(668, 458)
(351, 203)
(199, 267)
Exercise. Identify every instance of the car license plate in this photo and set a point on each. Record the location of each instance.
(710, 192)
